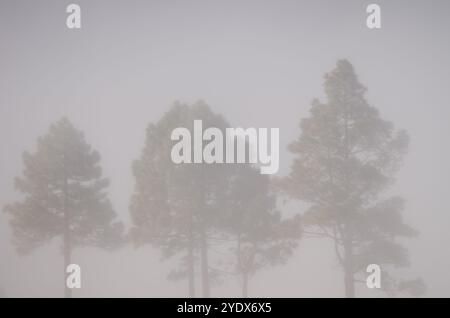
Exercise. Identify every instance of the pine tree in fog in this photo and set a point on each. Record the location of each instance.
(345, 159)
(189, 210)
(175, 206)
(262, 238)
(64, 195)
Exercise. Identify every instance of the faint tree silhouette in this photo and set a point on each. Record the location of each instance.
(345, 159)
(262, 237)
(174, 206)
(64, 195)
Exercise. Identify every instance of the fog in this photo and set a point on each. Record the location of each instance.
(257, 63)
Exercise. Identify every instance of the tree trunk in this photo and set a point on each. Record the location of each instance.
(349, 280)
(204, 263)
(67, 262)
(190, 265)
(203, 239)
(245, 284)
(67, 248)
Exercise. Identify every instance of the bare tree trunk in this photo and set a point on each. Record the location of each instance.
(245, 284)
(349, 280)
(203, 240)
(204, 263)
(242, 268)
(190, 264)
(67, 262)
(67, 248)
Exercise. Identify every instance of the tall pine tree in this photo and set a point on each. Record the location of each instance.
(175, 206)
(345, 160)
(262, 237)
(64, 195)
(185, 209)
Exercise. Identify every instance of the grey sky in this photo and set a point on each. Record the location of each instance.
(259, 63)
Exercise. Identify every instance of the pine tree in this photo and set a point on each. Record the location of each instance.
(175, 206)
(262, 237)
(345, 160)
(64, 196)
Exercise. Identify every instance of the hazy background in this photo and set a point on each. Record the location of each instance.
(259, 63)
